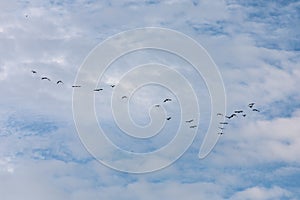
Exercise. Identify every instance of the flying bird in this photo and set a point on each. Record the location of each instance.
(76, 86)
(58, 82)
(223, 122)
(231, 116)
(157, 105)
(238, 111)
(167, 100)
(98, 89)
(244, 115)
(255, 110)
(112, 86)
(124, 97)
(219, 114)
(189, 121)
(45, 78)
(168, 118)
(220, 133)
(250, 105)
(222, 128)
(193, 126)
(33, 71)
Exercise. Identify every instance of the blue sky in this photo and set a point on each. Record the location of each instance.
(256, 46)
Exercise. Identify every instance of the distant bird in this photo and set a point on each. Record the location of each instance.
(223, 122)
(33, 71)
(157, 105)
(222, 128)
(231, 116)
(112, 86)
(167, 100)
(58, 82)
(255, 110)
(189, 121)
(238, 111)
(244, 115)
(45, 78)
(98, 89)
(26, 16)
(76, 86)
(220, 133)
(168, 118)
(124, 97)
(250, 105)
(193, 126)
(219, 114)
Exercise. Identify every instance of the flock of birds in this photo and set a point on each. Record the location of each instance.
(235, 114)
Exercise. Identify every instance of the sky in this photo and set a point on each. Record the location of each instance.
(254, 44)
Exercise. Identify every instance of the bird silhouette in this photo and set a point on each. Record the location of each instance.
(231, 116)
(168, 118)
(167, 100)
(112, 86)
(124, 97)
(45, 78)
(58, 82)
(33, 71)
(193, 126)
(223, 122)
(76, 86)
(250, 105)
(157, 105)
(98, 89)
(238, 111)
(255, 110)
(244, 115)
(222, 128)
(189, 121)
(220, 133)
(219, 114)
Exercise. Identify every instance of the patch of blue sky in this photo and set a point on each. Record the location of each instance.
(31, 126)
(282, 108)
(212, 29)
(61, 154)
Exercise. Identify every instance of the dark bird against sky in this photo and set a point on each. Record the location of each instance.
(45, 78)
(167, 100)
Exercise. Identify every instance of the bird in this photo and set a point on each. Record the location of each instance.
(58, 82)
(231, 116)
(189, 121)
(244, 115)
(222, 128)
(76, 86)
(219, 114)
(255, 110)
(157, 105)
(238, 111)
(167, 100)
(98, 89)
(250, 105)
(168, 118)
(112, 86)
(193, 126)
(45, 78)
(124, 97)
(223, 122)
(220, 133)
(33, 71)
